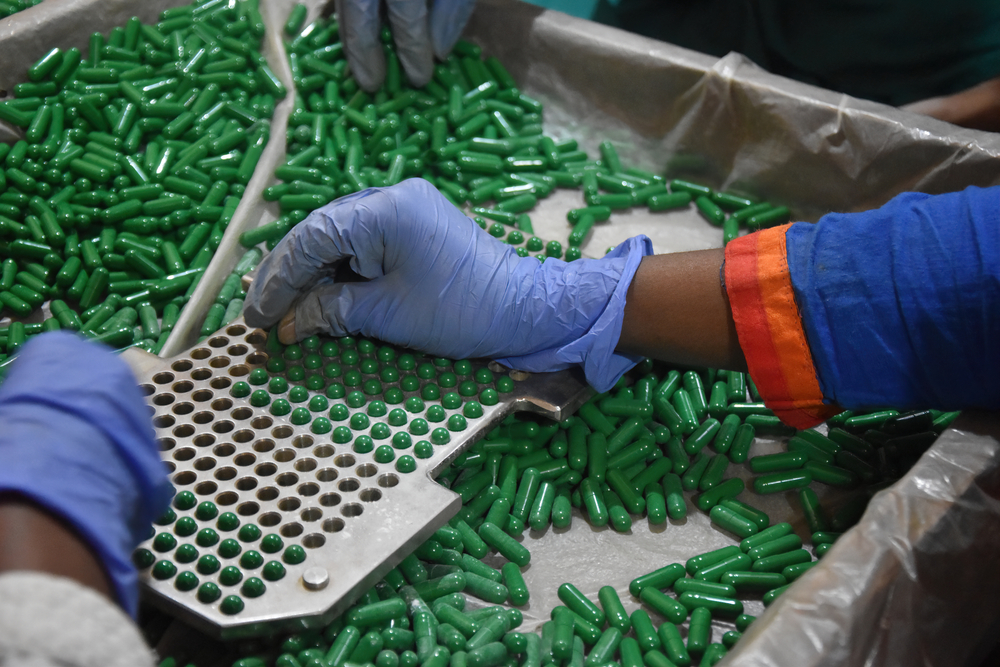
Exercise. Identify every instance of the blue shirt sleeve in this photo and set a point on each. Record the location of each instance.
(901, 305)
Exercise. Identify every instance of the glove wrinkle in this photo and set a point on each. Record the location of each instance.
(360, 25)
(408, 19)
(448, 19)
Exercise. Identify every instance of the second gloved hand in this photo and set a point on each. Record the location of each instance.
(440, 284)
(419, 37)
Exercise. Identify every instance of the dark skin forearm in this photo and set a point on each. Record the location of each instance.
(37, 541)
(676, 310)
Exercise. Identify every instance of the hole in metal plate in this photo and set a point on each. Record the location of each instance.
(349, 485)
(370, 495)
(327, 475)
(267, 493)
(223, 426)
(206, 488)
(313, 541)
(184, 431)
(164, 421)
(163, 378)
(184, 478)
(183, 386)
(289, 504)
(324, 451)
(291, 530)
(201, 353)
(202, 395)
(204, 463)
(221, 404)
(308, 489)
(344, 461)
(311, 514)
(284, 455)
(287, 479)
(166, 444)
(366, 470)
(170, 466)
(265, 469)
(222, 362)
(236, 330)
(239, 371)
(268, 519)
(244, 436)
(237, 350)
(224, 449)
(244, 459)
(303, 441)
(183, 408)
(519, 376)
(352, 509)
(204, 440)
(201, 374)
(245, 483)
(225, 474)
(333, 525)
(241, 413)
(388, 480)
(203, 417)
(147, 389)
(257, 359)
(329, 499)
(218, 341)
(282, 432)
(184, 454)
(220, 383)
(227, 498)
(248, 509)
(263, 445)
(163, 399)
(180, 366)
(257, 337)
(305, 465)
(261, 423)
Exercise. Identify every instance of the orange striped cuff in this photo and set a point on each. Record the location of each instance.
(770, 330)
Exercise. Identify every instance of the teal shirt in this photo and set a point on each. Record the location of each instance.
(893, 51)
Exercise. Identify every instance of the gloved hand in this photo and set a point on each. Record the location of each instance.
(440, 284)
(418, 39)
(76, 438)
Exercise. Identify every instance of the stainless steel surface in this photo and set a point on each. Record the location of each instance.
(355, 517)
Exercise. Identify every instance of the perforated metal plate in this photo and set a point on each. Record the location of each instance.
(354, 517)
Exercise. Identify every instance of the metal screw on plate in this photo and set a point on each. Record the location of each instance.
(315, 578)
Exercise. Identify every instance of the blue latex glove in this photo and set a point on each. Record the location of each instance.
(76, 438)
(440, 284)
(418, 38)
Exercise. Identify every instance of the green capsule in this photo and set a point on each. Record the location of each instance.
(656, 507)
(696, 563)
(813, 511)
(674, 495)
(510, 548)
(692, 478)
(605, 648)
(778, 562)
(776, 546)
(701, 436)
(740, 450)
(663, 202)
(710, 210)
(645, 633)
(832, 475)
(594, 501)
(718, 492)
(779, 462)
(666, 606)
(699, 630)
(673, 647)
(614, 612)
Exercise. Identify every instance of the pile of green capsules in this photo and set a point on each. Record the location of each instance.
(134, 160)
(642, 448)
(9, 7)
(471, 133)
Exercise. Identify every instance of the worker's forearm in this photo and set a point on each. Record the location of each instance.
(677, 311)
(36, 541)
